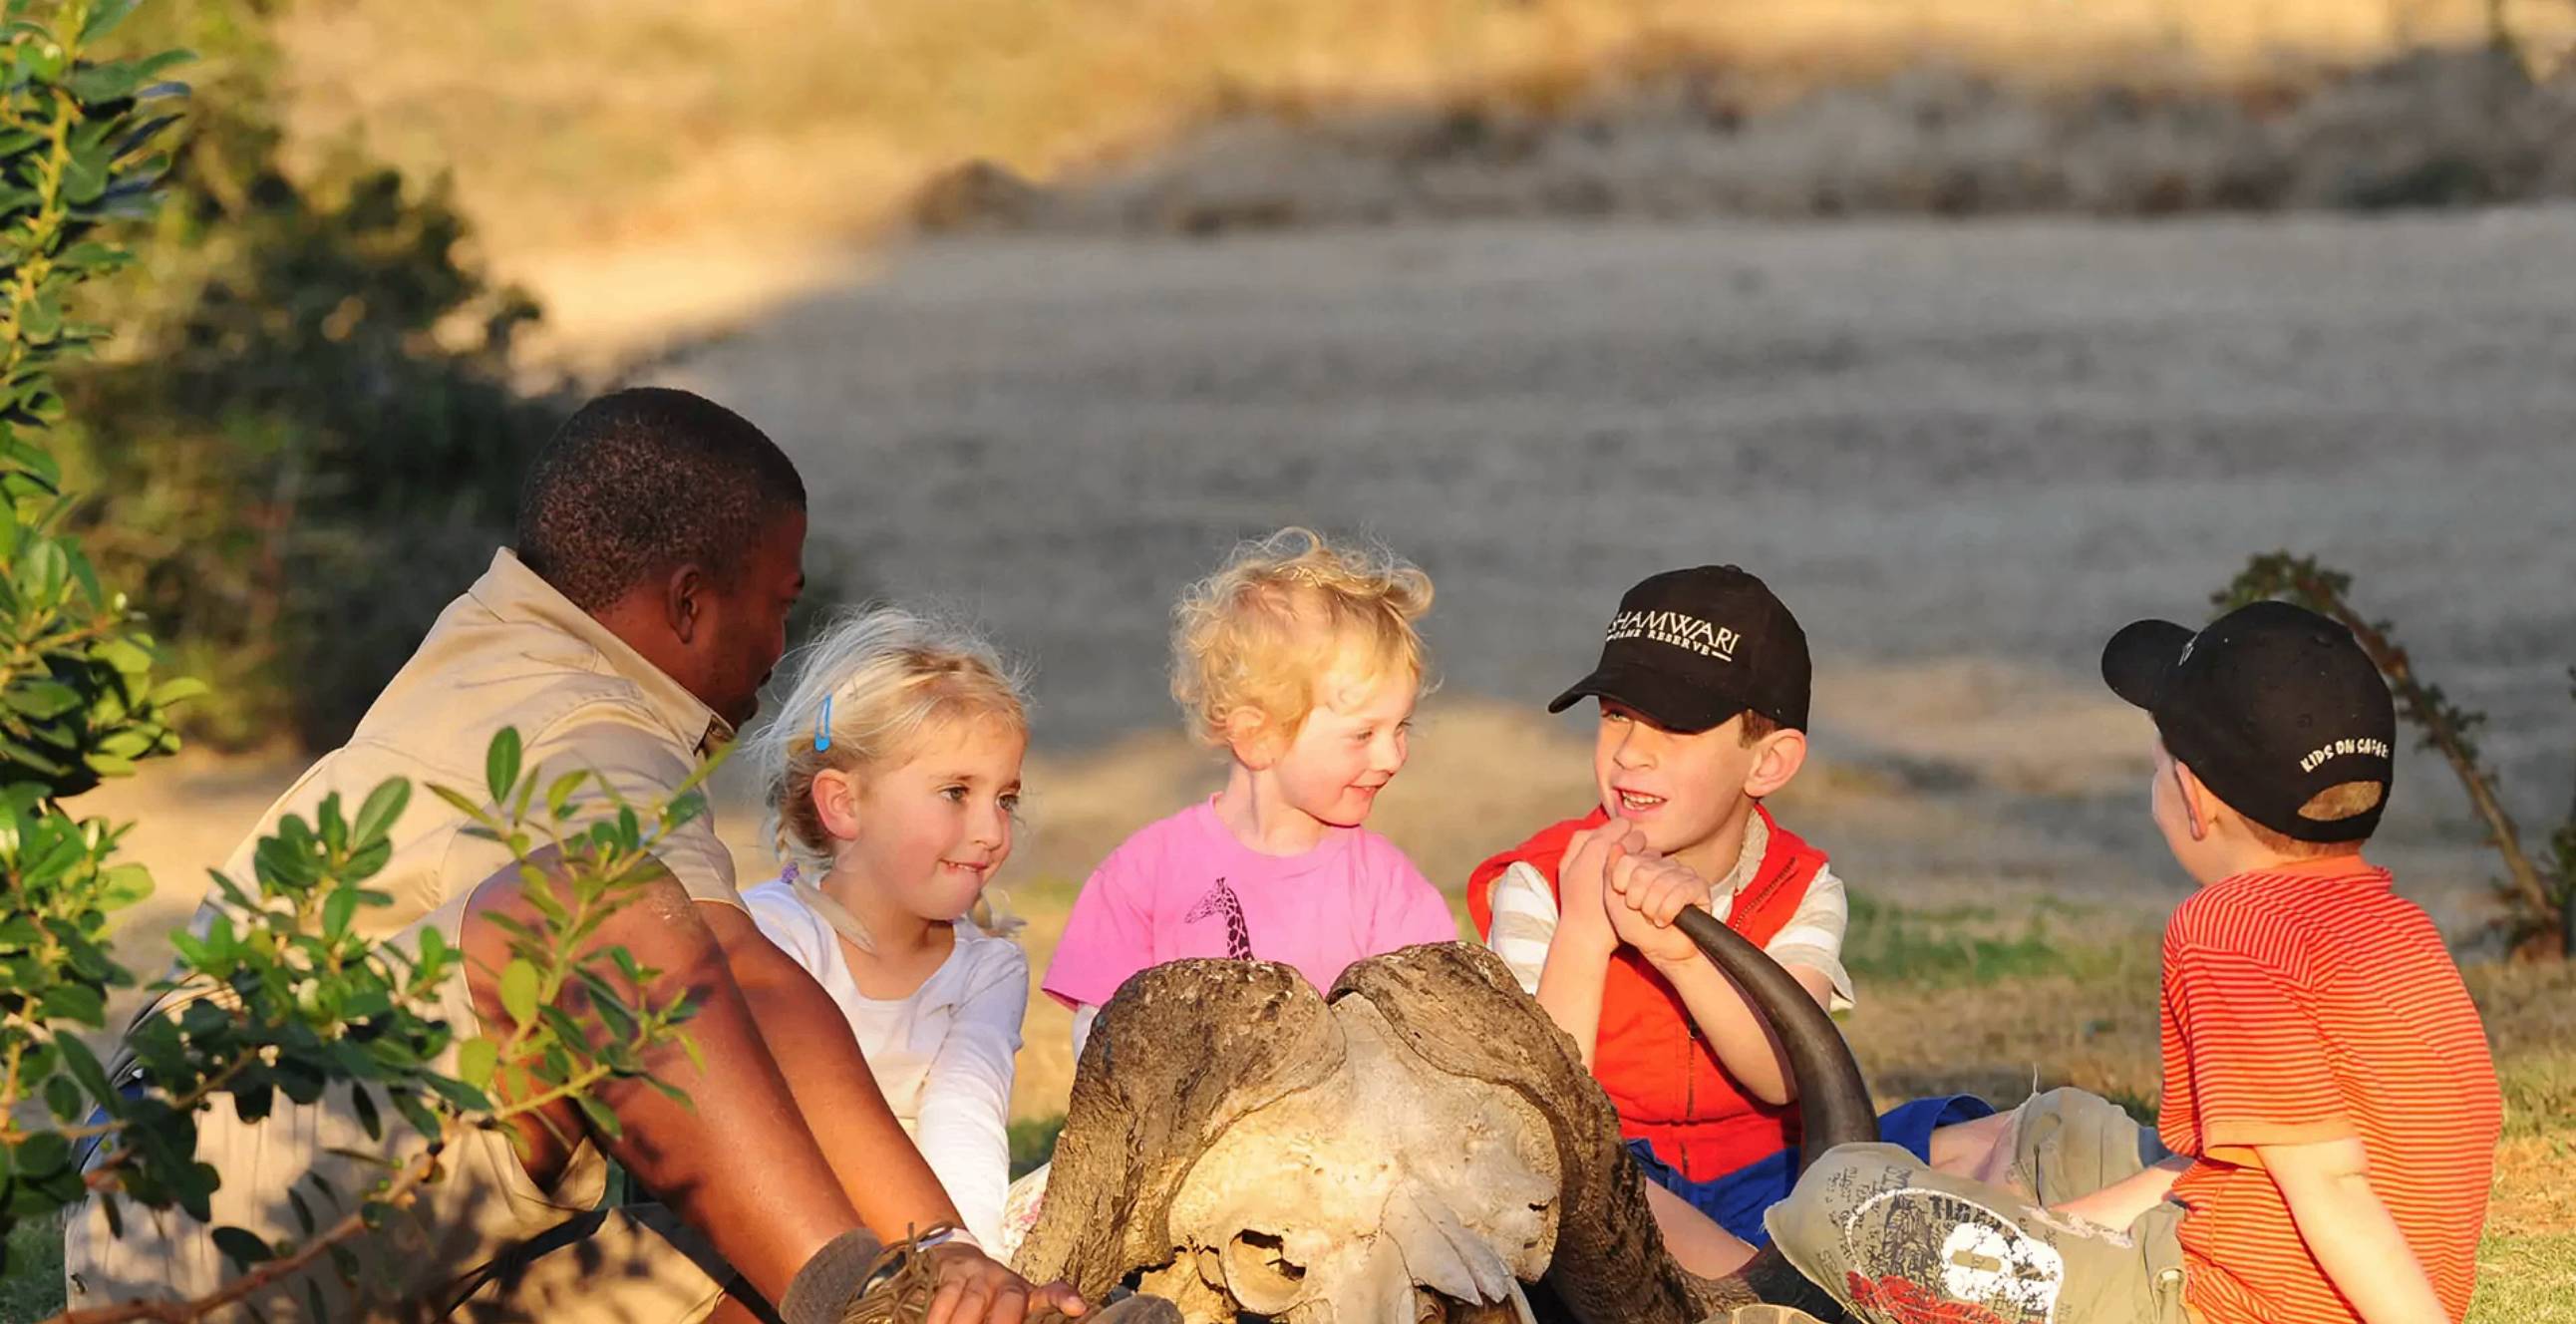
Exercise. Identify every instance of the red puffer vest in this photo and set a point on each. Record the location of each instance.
(1661, 1075)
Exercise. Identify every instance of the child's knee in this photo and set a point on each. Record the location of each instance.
(1809, 1226)
(2070, 1143)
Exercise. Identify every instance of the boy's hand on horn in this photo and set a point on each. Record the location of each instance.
(1582, 892)
(1645, 892)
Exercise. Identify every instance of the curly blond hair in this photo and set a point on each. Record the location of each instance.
(891, 676)
(1283, 613)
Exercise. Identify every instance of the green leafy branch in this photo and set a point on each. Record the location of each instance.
(2540, 904)
(288, 994)
(284, 990)
(577, 866)
(78, 150)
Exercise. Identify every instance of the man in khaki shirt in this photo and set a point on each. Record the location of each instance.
(659, 551)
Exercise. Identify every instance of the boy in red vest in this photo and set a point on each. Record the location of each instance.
(2328, 1094)
(1703, 686)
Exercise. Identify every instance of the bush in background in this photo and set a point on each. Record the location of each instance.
(307, 437)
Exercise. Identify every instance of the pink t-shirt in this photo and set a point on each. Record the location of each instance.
(1185, 887)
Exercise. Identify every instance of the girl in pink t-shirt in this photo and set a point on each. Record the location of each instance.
(1301, 661)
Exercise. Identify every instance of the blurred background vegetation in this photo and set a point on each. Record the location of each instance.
(307, 428)
(304, 435)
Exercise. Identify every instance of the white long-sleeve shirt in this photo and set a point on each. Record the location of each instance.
(943, 1056)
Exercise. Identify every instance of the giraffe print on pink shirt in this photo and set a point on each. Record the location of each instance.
(1220, 900)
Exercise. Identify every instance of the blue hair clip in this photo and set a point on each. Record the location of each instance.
(823, 727)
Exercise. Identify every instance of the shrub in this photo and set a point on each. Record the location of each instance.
(295, 1001)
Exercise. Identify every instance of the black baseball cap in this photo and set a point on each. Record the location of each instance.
(1692, 648)
(2269, 706)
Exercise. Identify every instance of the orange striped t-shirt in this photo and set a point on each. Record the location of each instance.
(2306, 1004)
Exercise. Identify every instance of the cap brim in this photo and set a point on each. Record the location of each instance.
(1668, 703)
(2139, 658)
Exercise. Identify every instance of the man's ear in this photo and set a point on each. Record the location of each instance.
(836, 802)
(1776, 758)
(684, 601)
(1257, 741)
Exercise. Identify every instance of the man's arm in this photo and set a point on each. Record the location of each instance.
(2348, 1229)
(876, 1164)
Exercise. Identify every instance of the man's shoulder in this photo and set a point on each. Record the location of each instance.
(487, 674)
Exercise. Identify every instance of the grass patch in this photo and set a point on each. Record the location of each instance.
(1972, 946)
(1033, 1143)
(32, 1289)
(2526, 1280)
(2539, 1091)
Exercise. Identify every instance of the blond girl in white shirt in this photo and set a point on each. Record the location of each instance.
(892, 776)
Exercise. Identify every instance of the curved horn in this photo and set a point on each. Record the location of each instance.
(1833, 1101)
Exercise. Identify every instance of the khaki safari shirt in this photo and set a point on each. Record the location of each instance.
(510, 652)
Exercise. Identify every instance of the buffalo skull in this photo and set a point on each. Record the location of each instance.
(1420, 1144)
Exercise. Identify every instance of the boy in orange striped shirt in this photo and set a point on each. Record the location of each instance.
(2328, 1096)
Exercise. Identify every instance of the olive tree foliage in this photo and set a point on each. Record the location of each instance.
(283, 995)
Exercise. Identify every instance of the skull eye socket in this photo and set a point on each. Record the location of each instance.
(1259, 1272)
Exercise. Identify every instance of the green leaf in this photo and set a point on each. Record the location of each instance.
(104, 16)
(475, 1059)
(41, 699)
(83, 1065)
(337, 910)
(123, 654)
(112, 81)
(41, 1155)
(602, 1118)
(177, 690)
(559, 795)
(363, 1101)
(519, 992)
(456, 800)
(501, 764)
(123, 885)
(383, 805)
(76, 1002)
(241, 1247)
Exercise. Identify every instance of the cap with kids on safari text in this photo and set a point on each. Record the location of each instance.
(2270, 706)
(1691, 648)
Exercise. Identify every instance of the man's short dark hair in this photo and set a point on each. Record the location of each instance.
(642, 481)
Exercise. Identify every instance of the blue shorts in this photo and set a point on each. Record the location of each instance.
(1736, 1199)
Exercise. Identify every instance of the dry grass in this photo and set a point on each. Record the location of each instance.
(640, 161)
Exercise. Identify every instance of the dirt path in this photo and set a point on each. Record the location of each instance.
(1963, 452)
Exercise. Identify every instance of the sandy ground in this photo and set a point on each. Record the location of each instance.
(1964, 453)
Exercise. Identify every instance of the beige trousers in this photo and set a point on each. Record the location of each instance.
(1896, 1241)
(483, 1242)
